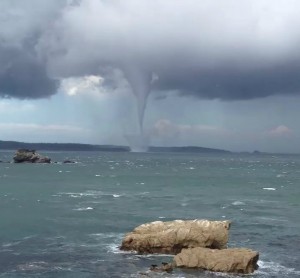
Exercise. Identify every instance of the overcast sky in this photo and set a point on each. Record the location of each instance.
(219, 74)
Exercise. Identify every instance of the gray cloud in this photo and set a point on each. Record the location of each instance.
(232, 83)
(209, 49)
(22, 74)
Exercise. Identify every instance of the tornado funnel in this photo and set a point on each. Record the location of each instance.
(140, 82)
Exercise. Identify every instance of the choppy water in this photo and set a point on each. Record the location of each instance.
(67, 220)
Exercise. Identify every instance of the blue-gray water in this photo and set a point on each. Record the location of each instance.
(67, 220)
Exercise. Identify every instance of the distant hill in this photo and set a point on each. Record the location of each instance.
(187, 149)
(13, 145)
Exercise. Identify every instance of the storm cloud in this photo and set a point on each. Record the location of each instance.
(209, 49)
(22, 74)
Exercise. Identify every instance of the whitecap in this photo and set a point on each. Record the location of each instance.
(33, 266)
(75, 196)
(107, 235)
(269, 188)
(272, 219)
(143, 193)
(276, 269)
(116, 195)
(154, 255)
(115, 249)
(84, 209)
(81, 194)
(161, 217)
(238, 203)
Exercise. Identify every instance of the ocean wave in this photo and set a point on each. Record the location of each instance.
(238, 203)
(263, 218)
(107, 235)
(84, 209)
(115, 249)
(274, 269)
(90, 193)
(33, 266)
(116, 195)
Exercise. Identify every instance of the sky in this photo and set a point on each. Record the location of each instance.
(210, 73)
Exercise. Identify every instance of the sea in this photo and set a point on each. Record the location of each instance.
(68, 220)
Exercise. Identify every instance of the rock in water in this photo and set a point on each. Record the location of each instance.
(29, 156)
(232, 260)
(67, 161)
(171, 237)
(165, 267)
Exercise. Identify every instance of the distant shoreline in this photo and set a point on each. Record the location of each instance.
(14, 145)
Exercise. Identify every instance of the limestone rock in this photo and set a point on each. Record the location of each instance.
(29, 156)
(232, 260)
(172, 236)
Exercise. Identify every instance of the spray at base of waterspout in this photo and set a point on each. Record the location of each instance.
(138, 142)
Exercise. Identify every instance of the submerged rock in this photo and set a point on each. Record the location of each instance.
(172, 236)
(234, 260)
(67, 161)
(29, 156)
(165, 267)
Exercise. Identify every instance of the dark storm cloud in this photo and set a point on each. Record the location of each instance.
(209, 49)
(22, 73)
(229, 83)
(23, 76)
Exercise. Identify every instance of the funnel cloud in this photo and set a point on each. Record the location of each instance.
(140, 82)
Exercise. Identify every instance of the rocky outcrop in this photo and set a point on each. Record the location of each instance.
(196, 243)
(234, 260)
(171, 237)
(29, 156)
